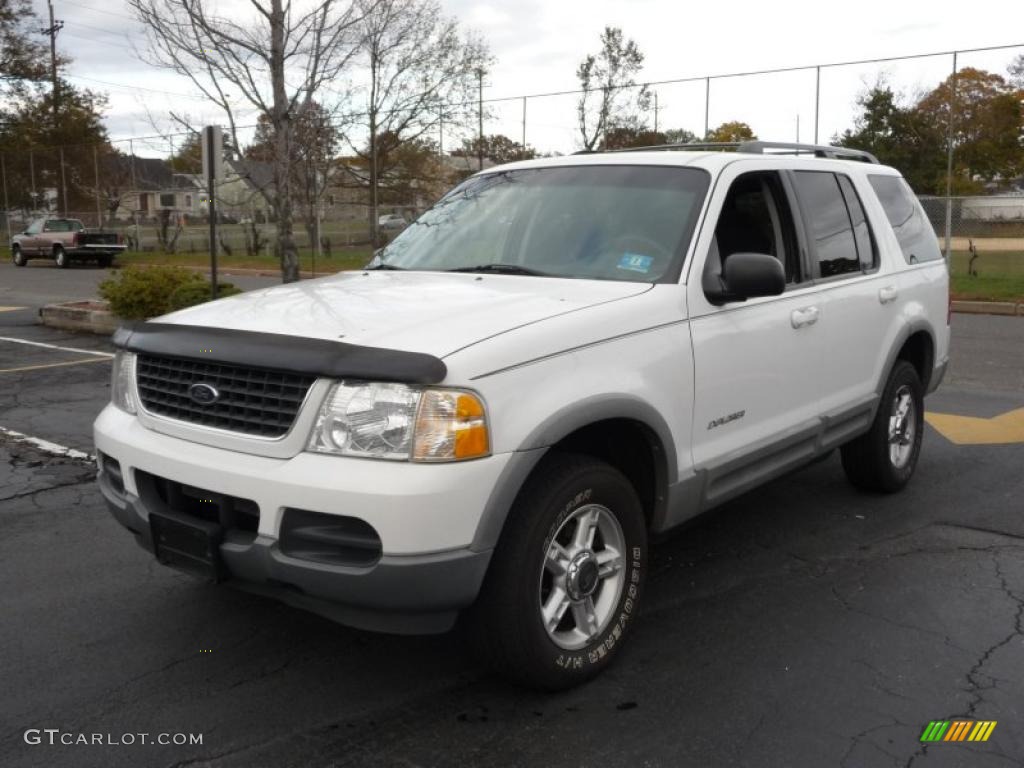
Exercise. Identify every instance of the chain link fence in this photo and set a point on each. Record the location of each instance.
(151, 190)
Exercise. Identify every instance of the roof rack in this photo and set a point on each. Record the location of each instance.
(759, 147)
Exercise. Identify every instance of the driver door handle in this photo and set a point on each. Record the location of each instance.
(806, 316)
(887, 294)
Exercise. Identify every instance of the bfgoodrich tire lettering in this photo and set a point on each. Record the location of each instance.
(509, 622)
(884, 458)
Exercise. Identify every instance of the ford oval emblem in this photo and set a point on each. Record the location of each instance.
(203, 394)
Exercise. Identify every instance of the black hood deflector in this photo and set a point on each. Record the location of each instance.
(281, 352)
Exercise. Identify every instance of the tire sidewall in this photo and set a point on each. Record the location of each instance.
(604, 486)
(60, 257)
(18, 257)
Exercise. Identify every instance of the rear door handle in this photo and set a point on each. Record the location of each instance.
(887, 294)
(806, 316)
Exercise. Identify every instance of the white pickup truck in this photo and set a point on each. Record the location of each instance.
(562, 358)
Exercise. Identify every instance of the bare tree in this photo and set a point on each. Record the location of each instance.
(275, 63)
(606, 80)
(421, 71)
(315, 136)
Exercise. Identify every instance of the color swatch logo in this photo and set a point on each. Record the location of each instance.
(958, 730)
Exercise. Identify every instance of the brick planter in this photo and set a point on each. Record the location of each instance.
(89, 316)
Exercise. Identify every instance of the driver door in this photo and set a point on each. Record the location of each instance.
(30, 245)
(757, 363)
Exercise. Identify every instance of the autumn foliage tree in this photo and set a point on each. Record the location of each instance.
(913, 137)
(734, 130)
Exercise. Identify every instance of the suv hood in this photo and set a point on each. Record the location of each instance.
(430, 312)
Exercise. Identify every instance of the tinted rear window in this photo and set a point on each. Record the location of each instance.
(913, 230)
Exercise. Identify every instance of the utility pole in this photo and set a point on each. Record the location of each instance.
(51, 32)
(480, 111)
(655, 111)
(524, 125)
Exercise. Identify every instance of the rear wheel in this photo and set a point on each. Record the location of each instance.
(884, 459)
(60, 257)
(17, 256)
(565, 583)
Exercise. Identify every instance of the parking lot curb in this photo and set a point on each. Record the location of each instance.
(90, 316)
(989, 307)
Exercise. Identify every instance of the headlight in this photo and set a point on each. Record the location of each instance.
(395, 421)
(121, 381)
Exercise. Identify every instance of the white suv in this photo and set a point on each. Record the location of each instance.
(560, 359)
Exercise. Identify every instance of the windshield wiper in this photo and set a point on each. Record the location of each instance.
(382, 265)
(502, 269)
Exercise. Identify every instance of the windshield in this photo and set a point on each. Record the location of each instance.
(606, 222)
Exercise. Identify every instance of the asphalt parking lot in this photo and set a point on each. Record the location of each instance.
(804, 624)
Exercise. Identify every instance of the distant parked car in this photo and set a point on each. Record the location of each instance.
(392, 222)
(63, 240)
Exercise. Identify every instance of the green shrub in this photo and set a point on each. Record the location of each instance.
(137, 293)
(190, 294)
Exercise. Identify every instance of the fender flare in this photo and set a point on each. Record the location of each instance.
(555, 428)
(914, 325)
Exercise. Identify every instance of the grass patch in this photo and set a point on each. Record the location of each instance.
(988, 287)
(1000, 276)
(353, 257)
(990, 263)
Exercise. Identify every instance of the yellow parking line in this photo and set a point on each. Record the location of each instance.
(54, 365)
(969, 430)
(9, 309)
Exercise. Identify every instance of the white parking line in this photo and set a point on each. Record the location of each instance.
(45, 445)
(54, 346)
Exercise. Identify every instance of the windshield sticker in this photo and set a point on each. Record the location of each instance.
(636, 262)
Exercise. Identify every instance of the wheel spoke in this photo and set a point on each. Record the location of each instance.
(554, 608)
(609, 563)
(586, 617)
(586, 527)
(557, 560)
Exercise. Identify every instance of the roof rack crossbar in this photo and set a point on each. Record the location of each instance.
(758, 147)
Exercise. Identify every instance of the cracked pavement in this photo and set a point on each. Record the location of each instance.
(804, 624)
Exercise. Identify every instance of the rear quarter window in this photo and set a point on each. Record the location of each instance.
(913, 230)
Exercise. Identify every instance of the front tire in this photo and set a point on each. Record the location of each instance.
(18, 257)
(60, 257)
(565, 582)
(884, 459)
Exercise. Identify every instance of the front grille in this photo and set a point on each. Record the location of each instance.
(253, 401)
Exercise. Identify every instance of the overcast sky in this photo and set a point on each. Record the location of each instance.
(539, 43)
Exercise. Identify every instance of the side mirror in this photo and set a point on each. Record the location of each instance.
(749, 275)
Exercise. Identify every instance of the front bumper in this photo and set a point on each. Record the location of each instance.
(426, 516)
